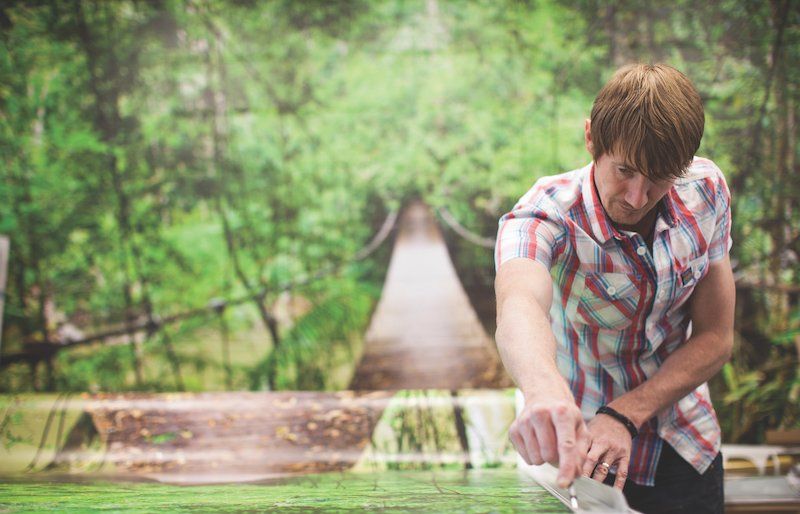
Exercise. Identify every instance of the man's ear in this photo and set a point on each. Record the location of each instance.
(587, 135)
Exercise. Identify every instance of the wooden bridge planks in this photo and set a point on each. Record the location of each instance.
(424, 333)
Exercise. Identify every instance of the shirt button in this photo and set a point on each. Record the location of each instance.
(697, 274)
(641, 250)
(611, 290)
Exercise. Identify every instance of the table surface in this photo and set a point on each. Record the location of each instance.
(484, 490)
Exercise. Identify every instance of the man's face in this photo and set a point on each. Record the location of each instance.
(626, 194)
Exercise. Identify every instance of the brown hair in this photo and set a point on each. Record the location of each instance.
(650, 115)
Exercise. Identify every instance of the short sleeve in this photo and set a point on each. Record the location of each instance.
(527, 232)
(721, 241)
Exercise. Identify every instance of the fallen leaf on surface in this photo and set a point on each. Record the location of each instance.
(284, 433)
(284, 404)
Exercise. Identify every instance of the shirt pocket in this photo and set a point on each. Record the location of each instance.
(688, 274)
(609, 300)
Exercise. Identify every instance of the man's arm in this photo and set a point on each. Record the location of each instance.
(525, 340)
(550, 428)
(711, 309)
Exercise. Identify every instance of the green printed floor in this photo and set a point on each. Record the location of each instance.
(489, 490)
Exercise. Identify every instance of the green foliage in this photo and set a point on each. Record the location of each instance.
(327, 336)
(11, 421)
(161, 438)
(422, 423)
(754, 400)
(101, 369)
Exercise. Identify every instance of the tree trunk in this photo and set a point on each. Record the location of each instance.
(779, 311)
(217, 166)
(609, 24)
(461, 428)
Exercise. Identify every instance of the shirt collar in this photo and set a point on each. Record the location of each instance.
(602, 229)
(666, 215)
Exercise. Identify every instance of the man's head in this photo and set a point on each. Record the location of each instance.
(645, 128)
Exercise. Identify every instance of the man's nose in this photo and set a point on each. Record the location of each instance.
(636, 195)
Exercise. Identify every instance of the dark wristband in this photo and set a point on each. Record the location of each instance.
(608, 411)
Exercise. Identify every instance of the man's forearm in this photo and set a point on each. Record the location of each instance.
(528, 349)
(692, 364)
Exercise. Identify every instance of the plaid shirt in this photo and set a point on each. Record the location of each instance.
(619, 309)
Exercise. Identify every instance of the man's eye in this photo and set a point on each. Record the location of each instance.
(625, 171)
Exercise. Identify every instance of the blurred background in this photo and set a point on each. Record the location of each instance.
(199, 195)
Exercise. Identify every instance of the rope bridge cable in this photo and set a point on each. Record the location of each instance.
(388, 225)
(386, 228)
(458, 228)
(44, 351)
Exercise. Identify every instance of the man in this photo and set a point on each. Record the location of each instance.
(615, 294)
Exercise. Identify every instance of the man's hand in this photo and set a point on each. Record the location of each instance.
(552, 431)
(611, 444)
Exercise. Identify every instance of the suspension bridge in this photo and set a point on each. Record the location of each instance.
(424, 336)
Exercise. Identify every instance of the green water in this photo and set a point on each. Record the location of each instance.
(491, 490)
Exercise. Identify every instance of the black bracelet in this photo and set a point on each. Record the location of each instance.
(605, 409)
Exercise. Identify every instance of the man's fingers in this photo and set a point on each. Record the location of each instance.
(554, 433)
(532, 446)
(584, 439)
(546, 438)
(603, 465)
(622, 473)
(569, 457)
(519, 444)
(596, 450)
(588, 465)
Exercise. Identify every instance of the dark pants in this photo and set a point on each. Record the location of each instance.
(679, 487)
